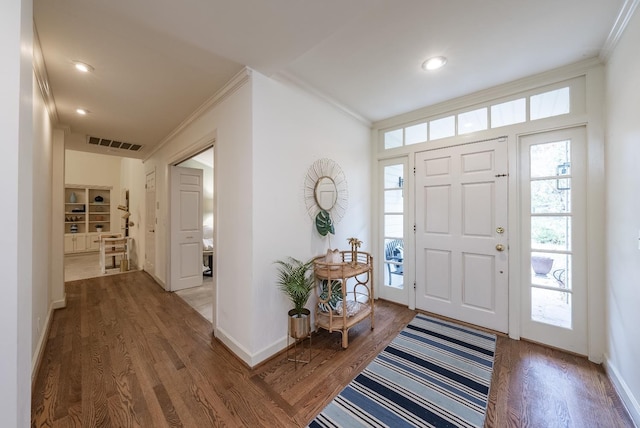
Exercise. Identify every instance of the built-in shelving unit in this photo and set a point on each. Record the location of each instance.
(87, 212)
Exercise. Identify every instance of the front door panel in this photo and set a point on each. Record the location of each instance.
(461, 237)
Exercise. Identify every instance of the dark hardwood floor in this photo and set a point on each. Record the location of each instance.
(125, 353)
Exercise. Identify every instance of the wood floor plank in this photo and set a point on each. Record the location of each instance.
(127, 353)
(535, 386)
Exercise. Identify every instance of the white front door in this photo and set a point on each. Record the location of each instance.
(186, 228)
(461, 233)
(150, 224)
(553, 257)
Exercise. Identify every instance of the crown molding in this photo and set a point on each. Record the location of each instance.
(40, 72)
(626, 12)
(226, 91)
(313, 91)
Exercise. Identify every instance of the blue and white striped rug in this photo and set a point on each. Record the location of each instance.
(433, 374)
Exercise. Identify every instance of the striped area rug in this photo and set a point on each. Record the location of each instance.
(433, 374)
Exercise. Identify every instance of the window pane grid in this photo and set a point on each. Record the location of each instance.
(538, 106)
(472, 121)
(548, 104)
(509, 113)
(415, 134)
(393, 221)
(551, 233)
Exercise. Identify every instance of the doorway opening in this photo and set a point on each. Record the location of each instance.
(200, 296)
(101, 200)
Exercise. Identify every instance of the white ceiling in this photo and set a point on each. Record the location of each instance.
(157, 61)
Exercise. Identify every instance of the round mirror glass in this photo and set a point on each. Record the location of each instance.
(326, 193)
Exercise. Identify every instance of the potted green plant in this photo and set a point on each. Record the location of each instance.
(297, 282)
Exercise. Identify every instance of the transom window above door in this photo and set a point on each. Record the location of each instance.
(538, 105)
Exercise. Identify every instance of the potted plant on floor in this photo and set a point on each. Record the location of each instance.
(297, 282)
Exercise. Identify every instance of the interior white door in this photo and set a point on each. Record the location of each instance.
(150, 224)
(186, 228)
(553, 207)
(461, 233)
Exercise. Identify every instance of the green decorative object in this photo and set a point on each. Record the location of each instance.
(296, 281)
(324, 224)
(329, 300)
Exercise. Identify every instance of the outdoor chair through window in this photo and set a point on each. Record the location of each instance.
(393, 257)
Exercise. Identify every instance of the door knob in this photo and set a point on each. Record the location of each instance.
(500, 247)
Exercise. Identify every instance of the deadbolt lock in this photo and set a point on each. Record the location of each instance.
(500, 230)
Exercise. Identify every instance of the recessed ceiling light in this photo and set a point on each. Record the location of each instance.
(82, 66)
(82, 112)
(434, 63)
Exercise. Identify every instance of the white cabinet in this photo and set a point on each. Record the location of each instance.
(87, 211)
(75, 242)
(93, 244)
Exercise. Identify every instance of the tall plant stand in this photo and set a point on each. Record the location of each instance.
(298, 341)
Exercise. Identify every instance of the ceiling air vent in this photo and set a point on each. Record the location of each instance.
(113, 144)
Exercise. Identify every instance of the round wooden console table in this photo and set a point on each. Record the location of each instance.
(355, 273)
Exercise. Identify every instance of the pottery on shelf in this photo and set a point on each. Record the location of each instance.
(73, 198)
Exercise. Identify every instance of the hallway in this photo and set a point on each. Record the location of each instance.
(126, 353)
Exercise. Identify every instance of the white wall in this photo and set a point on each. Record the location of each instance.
(42, 226)
(16, 194)
(132, 178)
(267, 134)
(90, 169)
(229, 123)
(291, 130)
(623, 215)
(58, 295)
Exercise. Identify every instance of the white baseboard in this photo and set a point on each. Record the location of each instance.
(233, 346)
(251, 360)
(156, 279)
(269, 351)
(623, 390)
(59, 304)
(36, 359)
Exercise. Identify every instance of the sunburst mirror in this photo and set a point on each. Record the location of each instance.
(325, 188)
